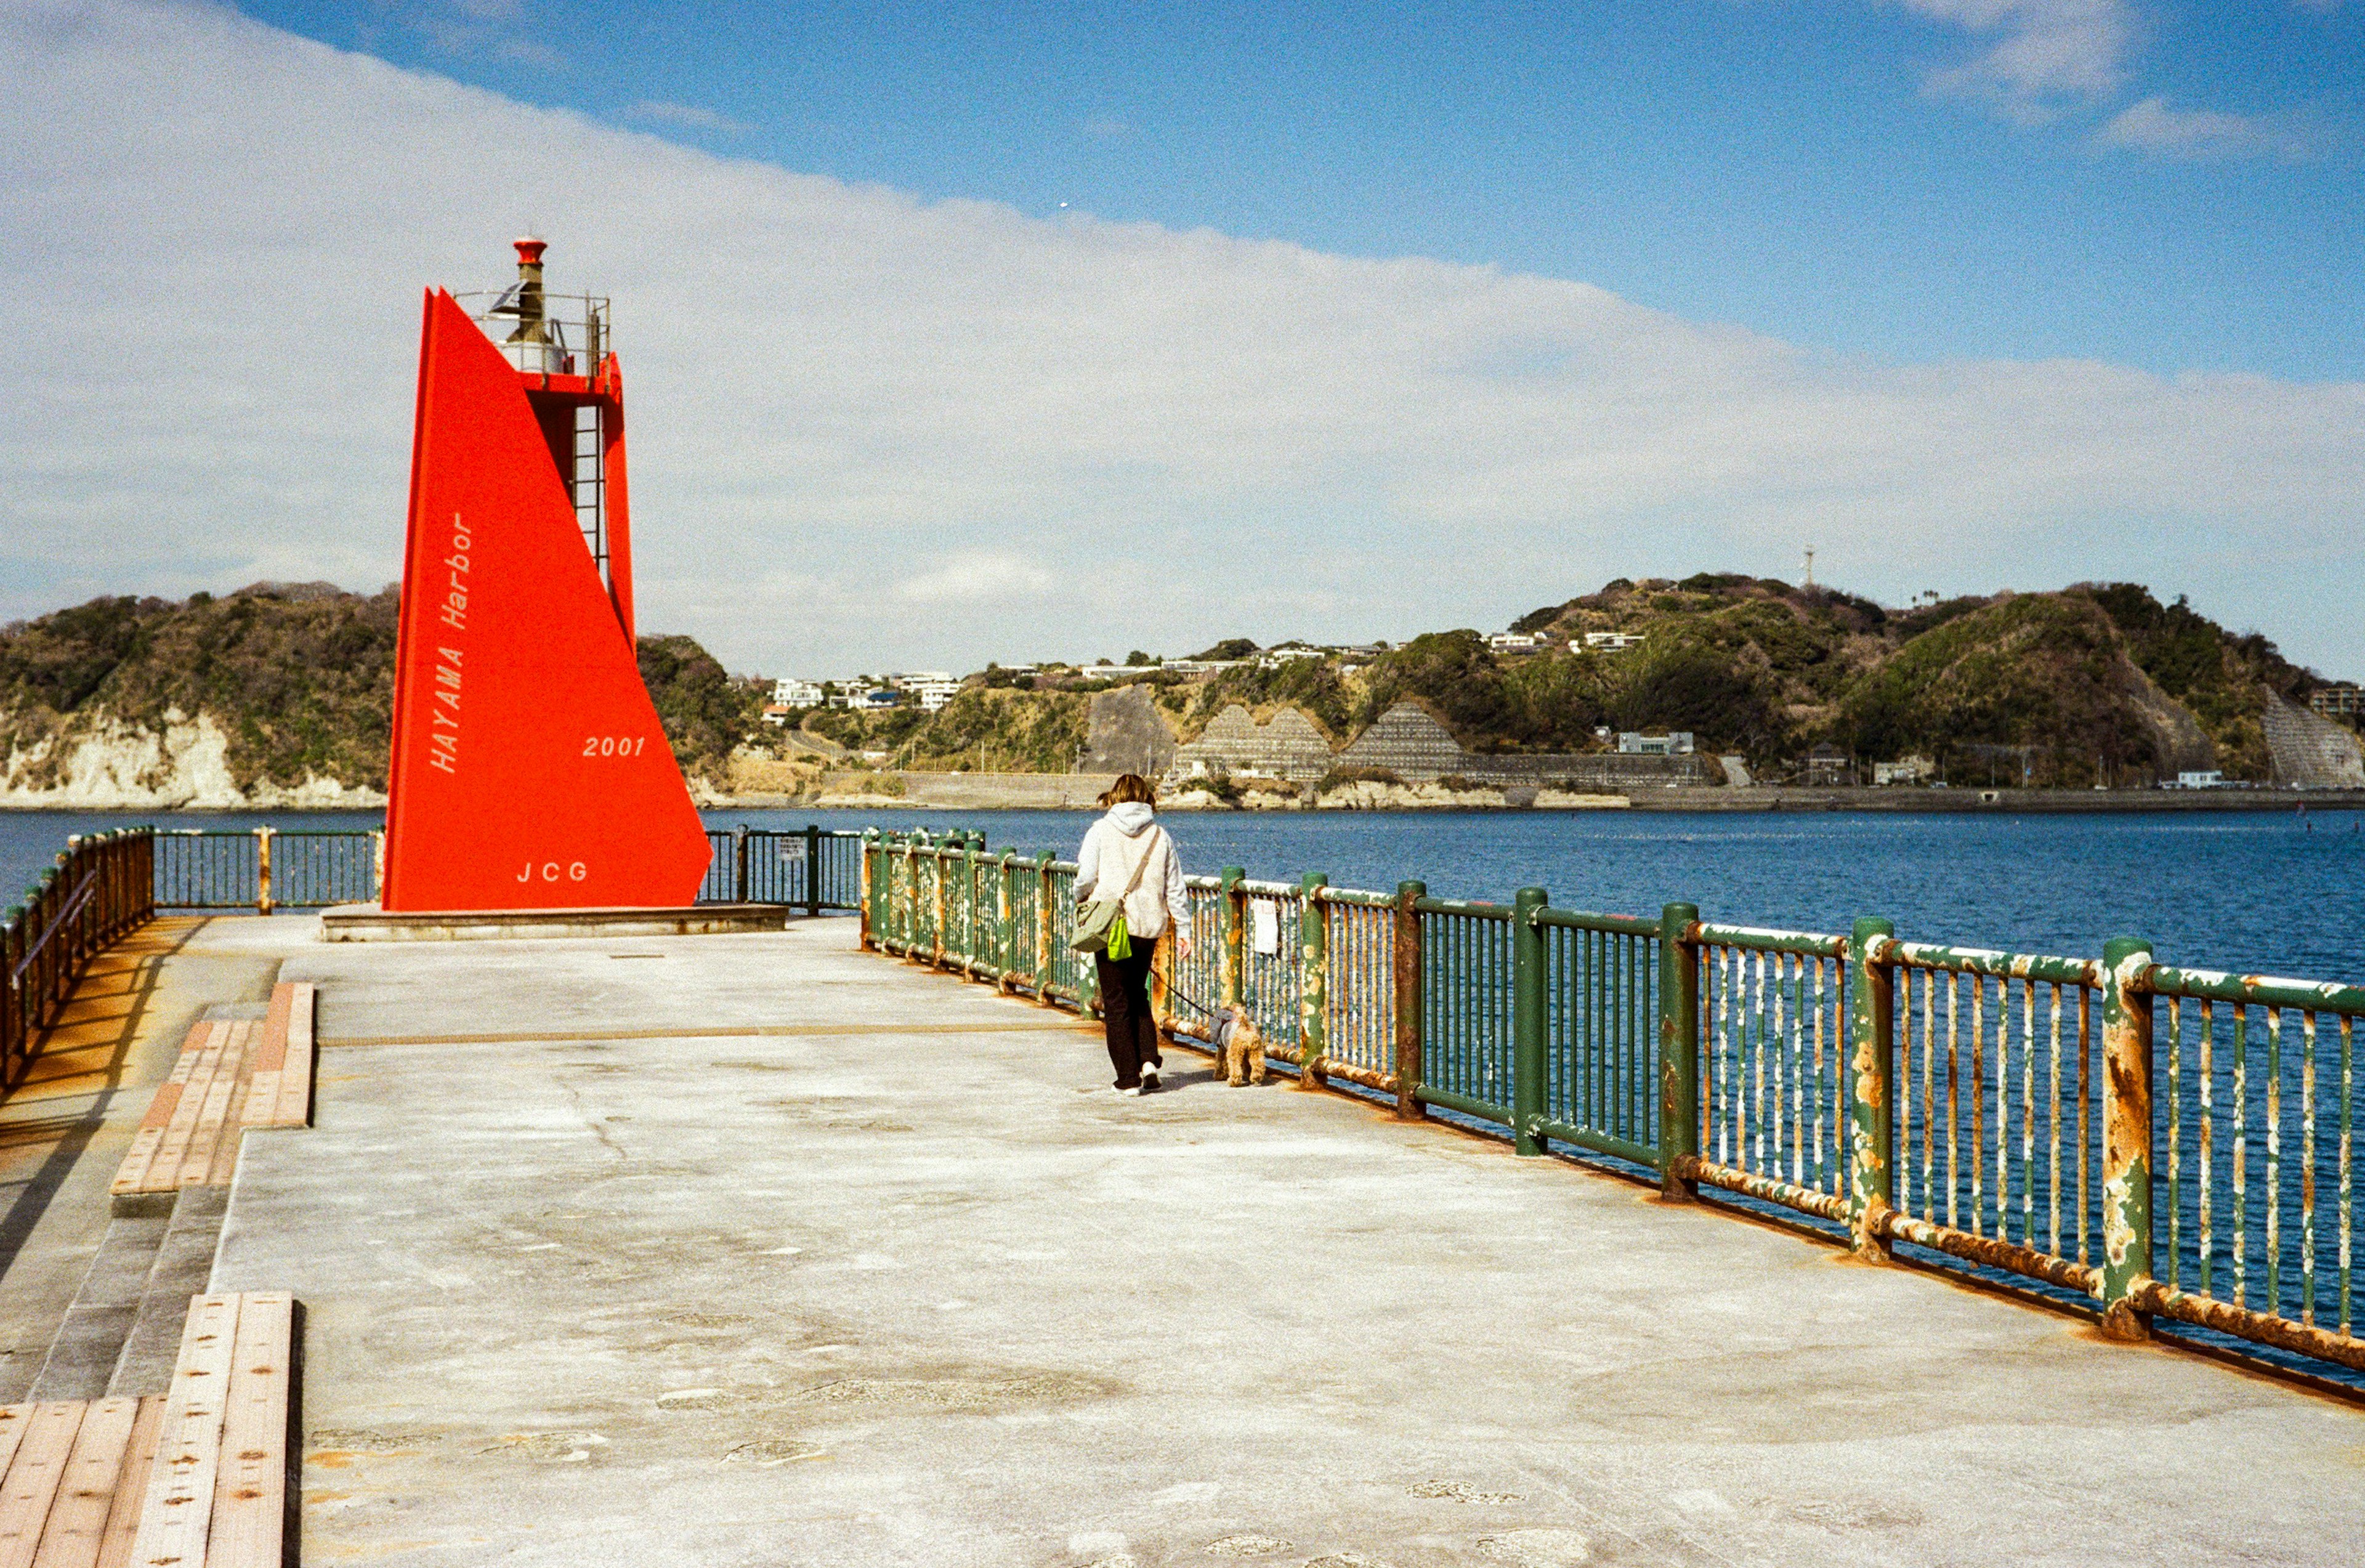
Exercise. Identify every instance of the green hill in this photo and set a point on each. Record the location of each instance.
(297, 679)
(283, 692)
(2094, 680)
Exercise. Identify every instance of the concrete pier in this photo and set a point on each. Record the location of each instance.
(757, 1250)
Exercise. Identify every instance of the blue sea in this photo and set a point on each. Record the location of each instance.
(2279, 891)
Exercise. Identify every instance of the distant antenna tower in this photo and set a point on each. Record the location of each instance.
(1810, 566)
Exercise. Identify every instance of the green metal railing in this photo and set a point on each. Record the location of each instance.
(2164, 1146)
(100, 888)
(267, 869)
(814, 867)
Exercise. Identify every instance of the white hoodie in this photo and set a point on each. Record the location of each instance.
(1112, 846)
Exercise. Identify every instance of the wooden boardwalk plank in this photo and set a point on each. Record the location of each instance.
(177, 1513)
(77, 1526)
(296, 1075)
(164, 1171)
(251, 1491)
(193, 1048)
(213, 1113)
(233, 1131)
(30, 1488)
(261, 1107)
(132, 1174)
(271, 1047)
(14, 1418)
(131, 1501)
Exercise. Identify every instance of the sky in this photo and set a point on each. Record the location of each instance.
(957, 333)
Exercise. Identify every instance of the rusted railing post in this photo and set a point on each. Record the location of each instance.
(911, 896)
(1871, 1030)
(1006, 907)
(68, 945)
(739, 864)
(864, 883)
(937, 903)
(960, 915)
(1235, 912)
(1678, 1049)
(812, 869)
(1526, 1021)
(2126, 1138)
(1313, 978)
(262, 871)
(1044, 927)
(1408, 1000)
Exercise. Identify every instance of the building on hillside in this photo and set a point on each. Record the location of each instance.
(1828, 765)
(1285, 746)
(2203, 779)
(798, 693)
(1273, 658)
(1516, 642)
(931, 688)
(1612, 642)
(2341, 701)
(1914, 769)
(778, 715)
(1674, 743)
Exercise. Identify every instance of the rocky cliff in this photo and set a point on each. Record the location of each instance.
(279, 695)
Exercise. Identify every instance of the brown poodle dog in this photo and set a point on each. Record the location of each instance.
(1239, 1048)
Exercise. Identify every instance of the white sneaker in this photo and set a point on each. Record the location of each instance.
(1134, 1092)
(1149, 1077)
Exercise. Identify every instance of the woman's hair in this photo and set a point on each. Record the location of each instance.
(1105, 801)
(1132, 787)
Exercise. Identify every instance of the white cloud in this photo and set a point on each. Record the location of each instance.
(869, 431)
(2152, 125)
(688, 117)
(978, 578)
(2047, 51)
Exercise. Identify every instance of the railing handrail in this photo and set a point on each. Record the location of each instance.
(2262, 990)
(73, 906)
(98, 890)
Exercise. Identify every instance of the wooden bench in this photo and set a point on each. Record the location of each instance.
(233, 1075)
(197, 1478)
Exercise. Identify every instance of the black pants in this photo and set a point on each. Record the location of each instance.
(1125, 1010)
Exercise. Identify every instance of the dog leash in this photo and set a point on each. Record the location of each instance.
(1201, 1008)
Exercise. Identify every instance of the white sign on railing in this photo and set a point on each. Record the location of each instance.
(1264, 926)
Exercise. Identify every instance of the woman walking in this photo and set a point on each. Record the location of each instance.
(1127, 850)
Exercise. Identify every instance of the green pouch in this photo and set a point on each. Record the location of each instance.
(1120, 941)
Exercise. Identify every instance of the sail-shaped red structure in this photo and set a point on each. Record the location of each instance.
(529, 770)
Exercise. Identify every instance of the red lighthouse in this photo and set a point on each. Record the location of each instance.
(527, 766)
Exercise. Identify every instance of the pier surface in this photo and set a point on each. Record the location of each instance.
(758, 1250)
